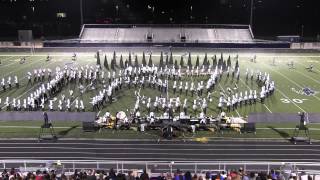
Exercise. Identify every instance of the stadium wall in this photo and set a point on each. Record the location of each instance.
(200, 45)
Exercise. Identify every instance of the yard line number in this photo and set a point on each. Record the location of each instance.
(288, 101)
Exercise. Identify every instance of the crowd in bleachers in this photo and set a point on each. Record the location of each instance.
(240, 174)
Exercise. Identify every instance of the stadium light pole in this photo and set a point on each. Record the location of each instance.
(251, 14)
(81, 14)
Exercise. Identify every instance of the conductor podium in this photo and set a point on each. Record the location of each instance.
(301, 127)
(46, 130)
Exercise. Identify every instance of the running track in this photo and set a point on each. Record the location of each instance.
(151, 150)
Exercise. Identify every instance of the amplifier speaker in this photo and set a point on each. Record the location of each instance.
(249, 128)
(88, 127)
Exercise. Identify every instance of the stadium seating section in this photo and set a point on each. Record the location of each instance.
(165, 34)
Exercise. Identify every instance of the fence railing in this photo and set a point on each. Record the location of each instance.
(231, 26)
(162, 166)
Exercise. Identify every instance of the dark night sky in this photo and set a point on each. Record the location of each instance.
(271, 17)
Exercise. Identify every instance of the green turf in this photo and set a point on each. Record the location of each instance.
(285, 79)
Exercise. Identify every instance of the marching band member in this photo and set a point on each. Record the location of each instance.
(60, 105)
(194, 106)
(9, 82)
(7, 103)
(3, 84)
(19, 105)
(174, 87)
(82, 106)
(180, 87)
(204, 106)
(185, 106)
(24, 105)
(16, 81)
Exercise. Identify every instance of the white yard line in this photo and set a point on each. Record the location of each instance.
(317, 69)
(283, 94)
(290, 100)
(8, 64)
(18, 69)
(292, 81)
(7, 59)
(314, 68)
(308, 77)
(267, 108)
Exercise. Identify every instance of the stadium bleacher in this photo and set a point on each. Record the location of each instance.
(134, 35)
(98, 34)
(165, 34)
(208, 36)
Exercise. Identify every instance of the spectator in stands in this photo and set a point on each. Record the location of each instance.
(144, 175)
(83, 175)
(273, 174)
(195, 177)
(187, 176)
(75, 175)
(45, 175)
(63, 177)
(91, 175)
(53, 175)
(245, 176)
(234, 175)
(111, 175)
(178, 175)
(30, 176)
(169, 177)
(130, 176)
(252, 176)
(269, 177)
(208, 175)
(240, 172)
(223, 175)
(39, 175)
(121, 176)
(161, 177)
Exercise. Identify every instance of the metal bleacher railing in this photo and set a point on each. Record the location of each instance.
(165, 166)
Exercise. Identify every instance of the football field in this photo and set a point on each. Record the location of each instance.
(297, 88)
